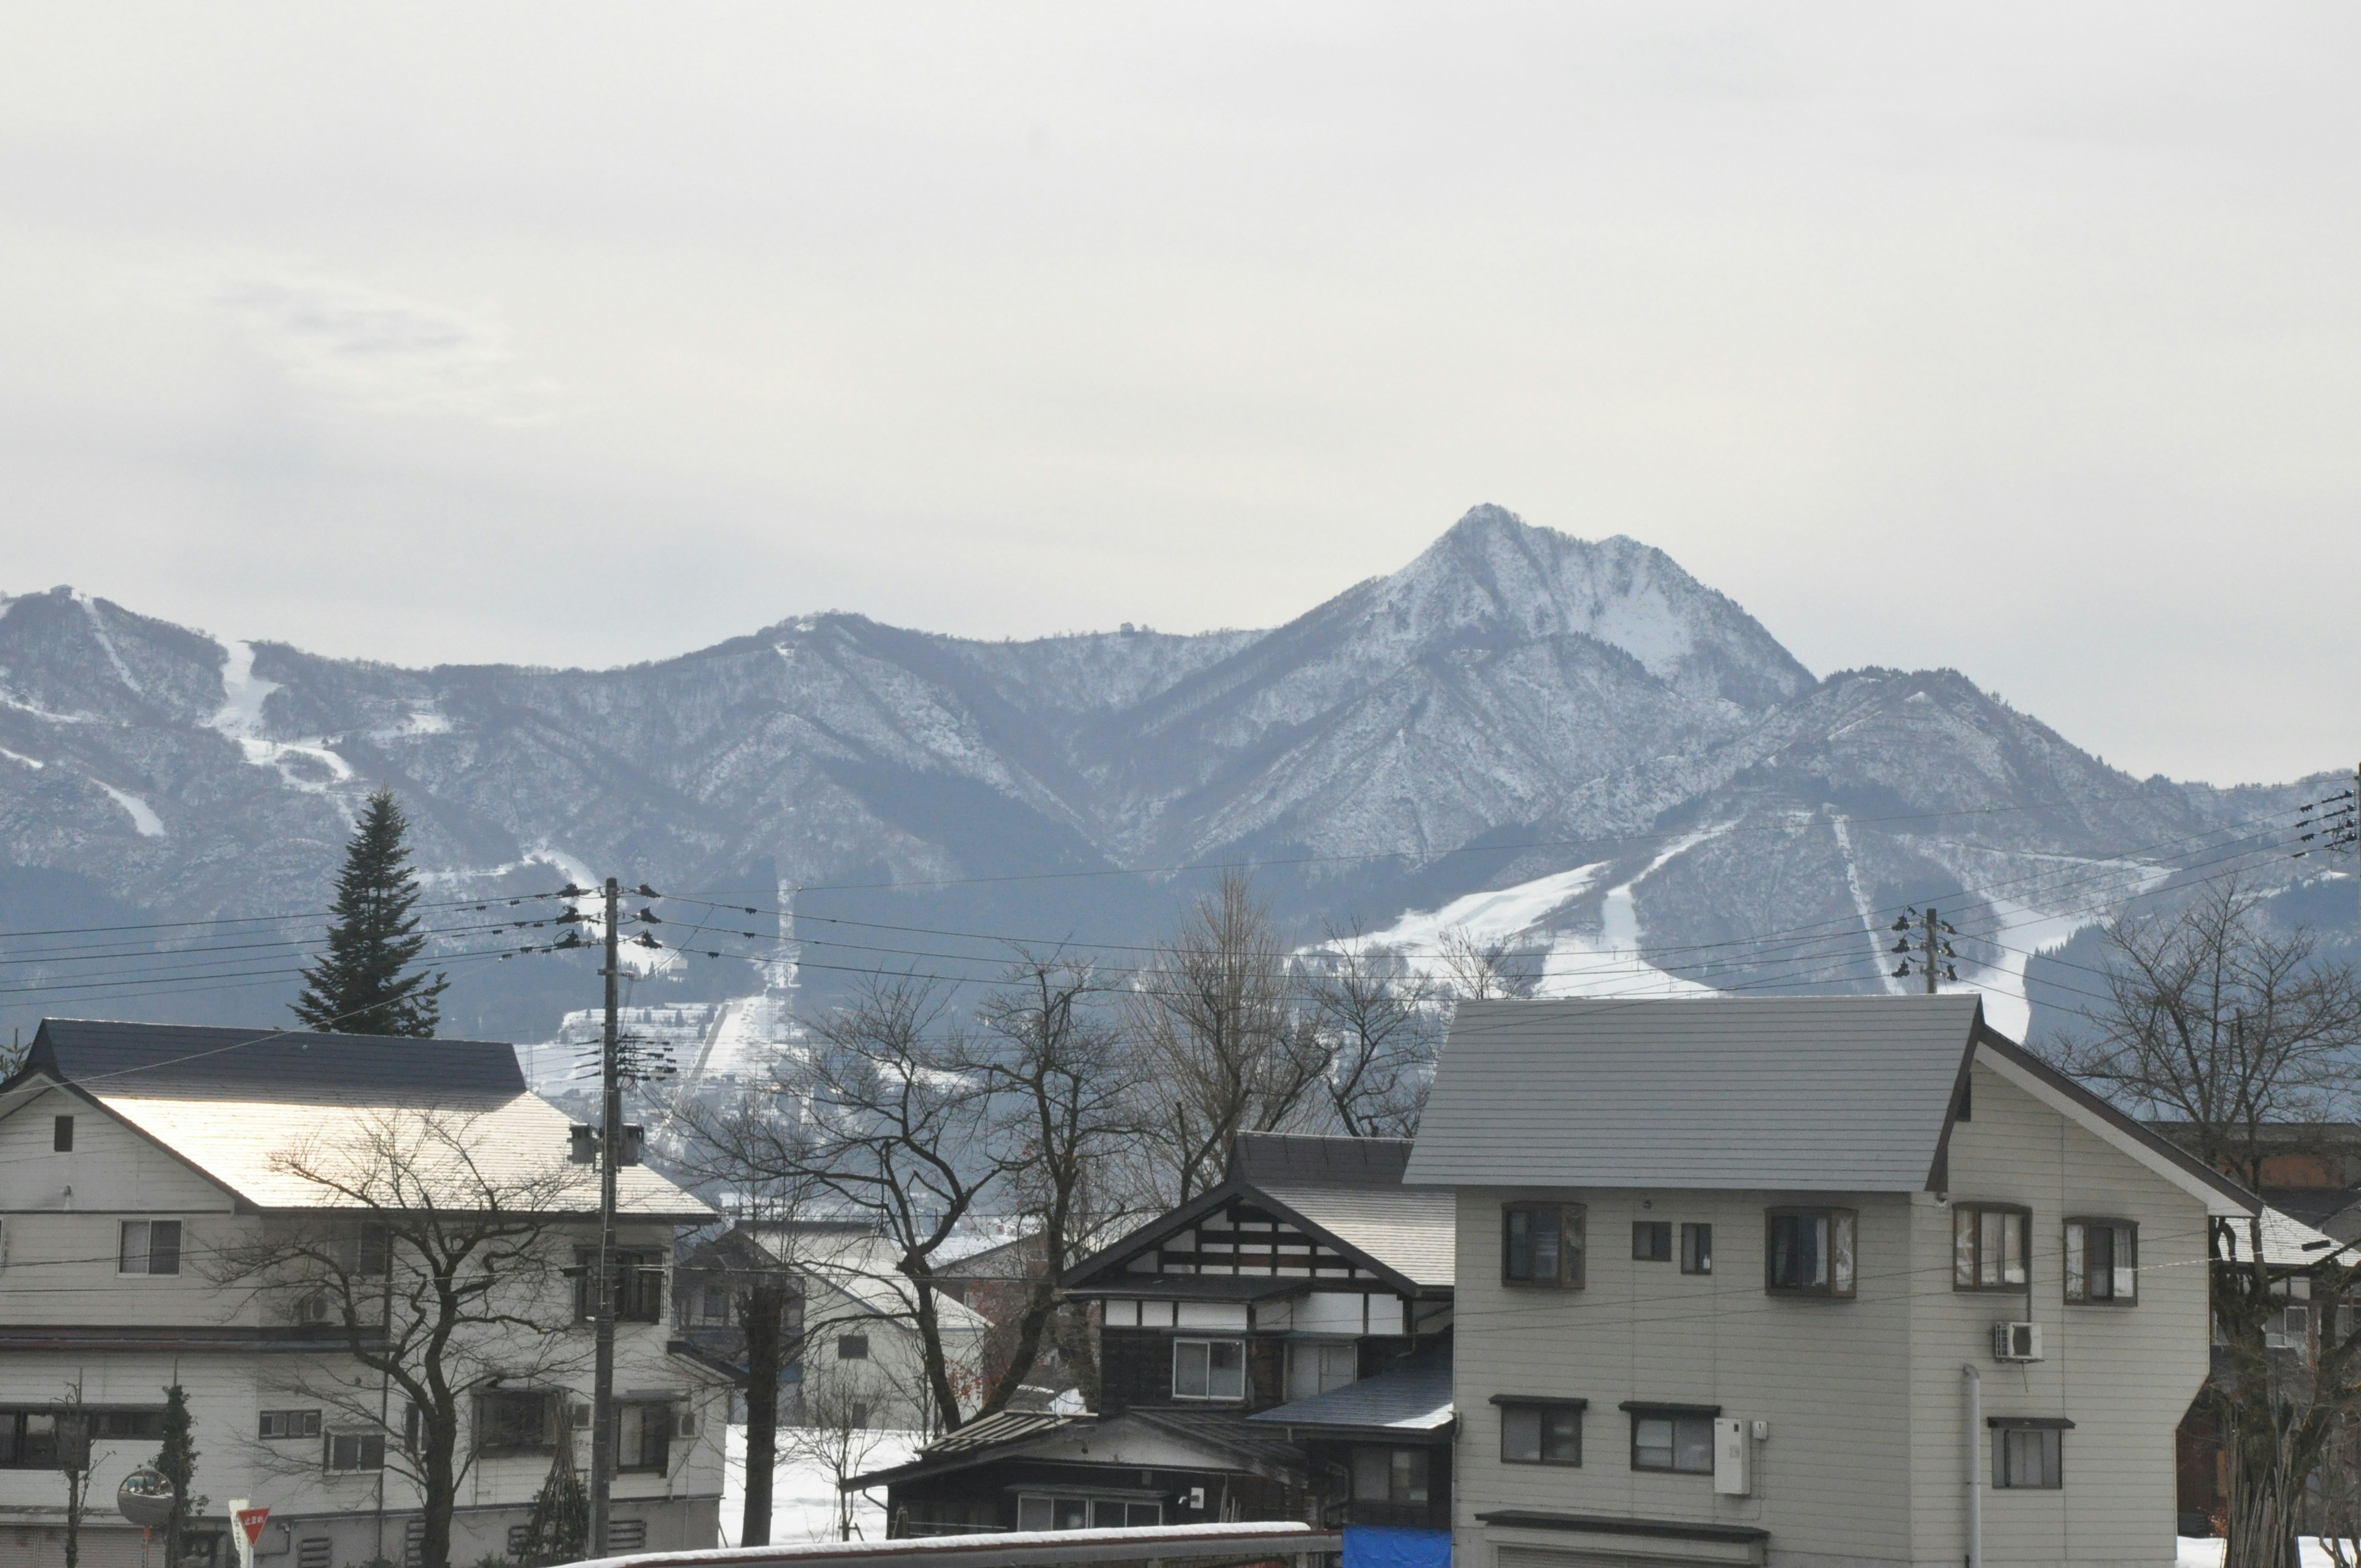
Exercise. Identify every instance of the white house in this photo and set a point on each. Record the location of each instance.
(227, 1209)
(862, 1352)
(1808, 1281)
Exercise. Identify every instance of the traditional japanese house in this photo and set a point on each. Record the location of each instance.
(1310, 1270)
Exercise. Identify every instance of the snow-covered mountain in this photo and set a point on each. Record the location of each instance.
(1511, 706)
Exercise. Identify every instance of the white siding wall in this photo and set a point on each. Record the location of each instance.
(59, 1270)
(1865, 1460)
(2124, 1375)
(1832, 1481)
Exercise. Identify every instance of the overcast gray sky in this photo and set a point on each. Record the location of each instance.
(2022, 339)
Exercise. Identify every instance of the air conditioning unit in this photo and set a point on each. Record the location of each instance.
(2016, 1342)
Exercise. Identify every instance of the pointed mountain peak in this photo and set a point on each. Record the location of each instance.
(1492, 569)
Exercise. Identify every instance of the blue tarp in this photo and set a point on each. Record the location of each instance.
(1375, 1546)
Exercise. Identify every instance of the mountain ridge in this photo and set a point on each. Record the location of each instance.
(1390, 745)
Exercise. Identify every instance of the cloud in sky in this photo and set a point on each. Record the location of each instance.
(383, 351)
(2020, 340)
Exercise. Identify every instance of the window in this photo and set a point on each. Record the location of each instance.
(150, 1247)
(644, 1436)
(28, 1440)
(639, 1285)
(362, 1251)
(2102, 1262)
(1209, 1369)
(852, 1347)
(356, 1450)
(140, 1425)
(1038, 1511)
(1988, 1248)
(1672, 1436)
(1541, 1431)
(290, 1423)
(1811, 1252)
(514, 1421)
(1389, 1474)
(2026, 1454)
(1315, 1367)
(717, 1303)
(316, 1552)
(62, 1135)
(1542, 1243)
(1697, 1249)
(1652, 1241)
(627, 1535)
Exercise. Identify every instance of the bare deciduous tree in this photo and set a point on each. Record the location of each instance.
(1473, 970)
(1379, 1021)
(900, 1134)
(436, 1272)
(1222, 1052)
(760, 1154)
(2216, 1022)
(1061, 1085)
(2231, 1030)
(837, 1433)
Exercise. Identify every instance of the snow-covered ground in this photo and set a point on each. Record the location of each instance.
(1578, 963)
(803, 1494)
(143, 816)
(2198, 1552)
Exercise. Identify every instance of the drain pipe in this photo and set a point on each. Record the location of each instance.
(1975, 1466)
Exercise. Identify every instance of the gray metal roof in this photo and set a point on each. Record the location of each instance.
(1413, 1397)
(1408, 1229)
(1828, 1094)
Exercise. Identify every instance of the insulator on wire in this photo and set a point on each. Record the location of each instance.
(1903, 971)
(1901, 923)
(1902, 947)
(644, 891)
(647, 916)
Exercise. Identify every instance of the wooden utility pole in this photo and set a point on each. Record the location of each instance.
(611, 1135)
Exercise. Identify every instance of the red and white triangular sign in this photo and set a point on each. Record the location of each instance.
(251, 1522)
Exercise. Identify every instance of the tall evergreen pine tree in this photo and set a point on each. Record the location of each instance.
(362, 984)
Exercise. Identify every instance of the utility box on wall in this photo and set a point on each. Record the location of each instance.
(1730, 1454)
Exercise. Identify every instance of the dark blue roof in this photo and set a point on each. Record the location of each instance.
(168, 1059)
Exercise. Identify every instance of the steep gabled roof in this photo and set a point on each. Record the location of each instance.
(1345, 1192)
(1795, 1093)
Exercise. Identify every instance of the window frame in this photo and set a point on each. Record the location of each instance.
(1697, 1246)
(1837, 1219)
(62, 1135)
(1573, 1228)
(1207, 1345)
(361, 1441)
(298, 1425)
(1960, 1213)
(1644, 1410)
(2050, 1430)
(147, 1249)
(663, 1413)
(1647, 1234)
(852, 1347)
(2075, 1261)
(1543, 1408)
(1395, 1454)
(551, 1400)
(1090, 1503)
(1322, 1348)
(639, 1284)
